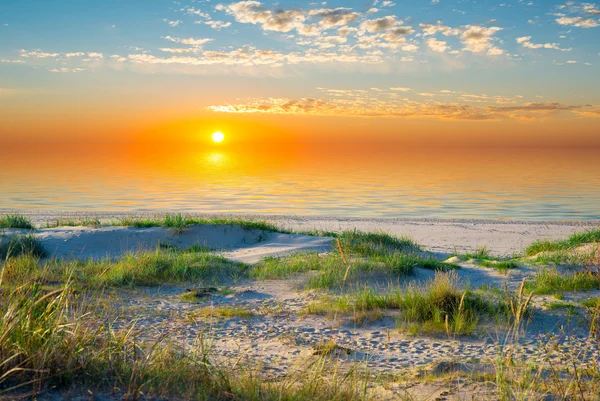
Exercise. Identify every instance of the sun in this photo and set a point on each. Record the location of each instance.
(218, 137)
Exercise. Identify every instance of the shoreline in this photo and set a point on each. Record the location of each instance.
(44, 215)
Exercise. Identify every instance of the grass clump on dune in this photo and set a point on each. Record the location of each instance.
(501, 265)
(211, 312)
(550, 281)
(149, 268)
(15, 221)
(439, 306)
(15, 245)
(354, 255)
(367, 244)
(570, 243)
(179, 222)
(155, 268)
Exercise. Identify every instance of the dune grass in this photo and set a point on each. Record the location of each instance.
(222, 311)
(15, 221)
(15, 245)
(179, 222)
(551, 281)
(575, 240)
(54, 340)
(353, 255)
(149, 268)
(438, 306)
(501, 265)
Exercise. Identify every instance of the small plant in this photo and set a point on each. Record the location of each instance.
(179, 222)
(479, 253)
(15, 245)
(331, 348)
(15, 221)
(519, 304)
(550, 281)
(572, 242)
(222, 312)
(501, 265)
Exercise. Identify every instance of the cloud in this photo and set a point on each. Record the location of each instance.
(478, 39)
(334, 17)
(37, 54)
(65, 70)
(589, 8)
(579, 22)
(189, 41)
(437, 45)
(218, 25)
(180, 50)
(429, 29)
(172, 23)
(359, 104)
(252, 12)
(379, 24)
(525, 41)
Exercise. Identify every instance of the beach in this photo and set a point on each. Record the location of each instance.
(280, 319)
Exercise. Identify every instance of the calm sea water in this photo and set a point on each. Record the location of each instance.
(499, 184)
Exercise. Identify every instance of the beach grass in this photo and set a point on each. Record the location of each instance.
(551, 281)
(179, 222)
(439, 306)
(574, 241)
(149, 268)
(221, 311)
(501, 265)
(15, 221)
(353, 255)
(15, 245)
(53, 340)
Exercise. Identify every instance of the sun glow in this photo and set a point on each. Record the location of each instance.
(218, 137)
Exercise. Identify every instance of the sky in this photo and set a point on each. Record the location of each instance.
(416, 73)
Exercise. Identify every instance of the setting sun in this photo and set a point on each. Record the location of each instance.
(218, 137)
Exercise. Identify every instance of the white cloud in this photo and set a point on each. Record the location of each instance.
(478, 39)
(189, 41)
(580, 22)
(525, 41)
(379, 24)
(218, 24)
(437, 45)
(37, 54)
(172, 23)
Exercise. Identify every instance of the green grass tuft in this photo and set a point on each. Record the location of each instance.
(550, 281)
(15, 221)
(180, 222)
(223, 312)
(15, 245)
(501, 265)
(363, 253)
(424, 309)
(570, 243)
